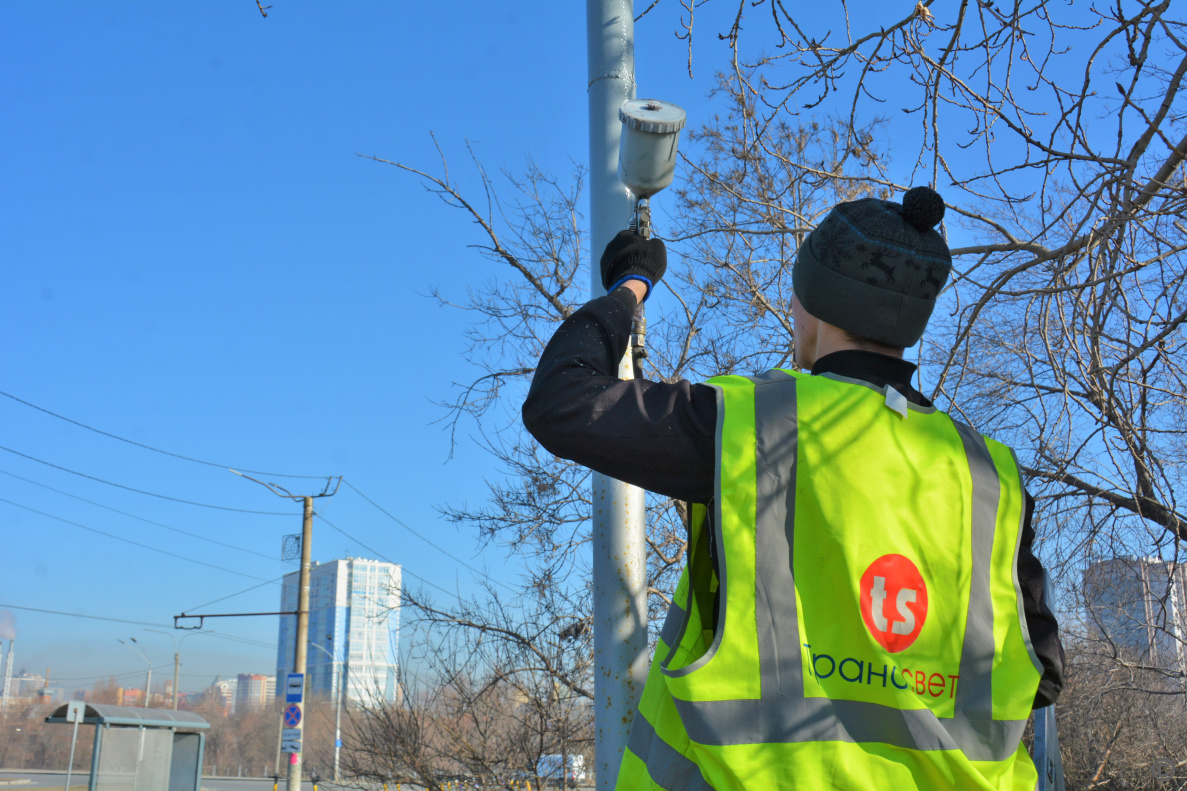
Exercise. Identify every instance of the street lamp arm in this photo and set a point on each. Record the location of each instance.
(323, 650)
(148, 681)
(176, 656)
(136, 648)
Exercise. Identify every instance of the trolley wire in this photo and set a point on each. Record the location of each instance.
(233, 595)
(381, 556)
(141, 518)
(211, 633)
(233, 638)
(148, 447)
(141, 491)
(81, 615)
(237, 639)
(105, 676)
(399, 522)
(133, 543)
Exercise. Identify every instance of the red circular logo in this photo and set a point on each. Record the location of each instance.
(893, 601)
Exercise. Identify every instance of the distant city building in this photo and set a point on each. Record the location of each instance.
(254, 692)
(27, 685)
(51, 695)
(1140, 606)
(354, 621)
(222, 693)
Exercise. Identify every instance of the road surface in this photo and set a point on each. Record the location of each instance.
(78, 782)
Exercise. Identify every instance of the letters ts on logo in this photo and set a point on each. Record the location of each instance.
(893, 601)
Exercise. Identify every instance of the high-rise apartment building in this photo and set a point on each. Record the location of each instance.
(1140, 606)
(254, 692)
(354, 620)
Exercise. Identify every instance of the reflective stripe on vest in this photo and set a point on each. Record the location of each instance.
(670, 633)
(780, 713)
(666, 766)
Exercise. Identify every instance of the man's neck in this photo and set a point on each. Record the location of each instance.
(830, 339)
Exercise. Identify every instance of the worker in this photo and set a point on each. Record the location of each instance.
(861, 607)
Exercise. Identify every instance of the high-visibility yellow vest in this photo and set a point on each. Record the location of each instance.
(869, 632)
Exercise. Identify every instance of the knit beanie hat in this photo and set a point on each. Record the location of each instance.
(874, 267)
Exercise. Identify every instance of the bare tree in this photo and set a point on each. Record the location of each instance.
(495, 688)
(1055, 133)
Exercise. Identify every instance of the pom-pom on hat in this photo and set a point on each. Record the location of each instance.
(874, 268)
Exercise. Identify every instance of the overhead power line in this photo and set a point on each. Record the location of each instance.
(133, 543)
(141, 518)
(81, 615)
(233, 595)
(399, 522)
(245, 640)
(148, 447)
(106, 676)
(211, 633)
(141, 491)
(381, 556)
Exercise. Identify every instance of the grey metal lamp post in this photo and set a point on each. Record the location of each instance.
(148, 682)
(176, 656)
(619, 540)
(337, 704)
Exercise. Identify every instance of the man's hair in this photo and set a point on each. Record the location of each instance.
(870, 345)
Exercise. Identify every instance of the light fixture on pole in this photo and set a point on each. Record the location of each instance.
(176, 656)
(135, 646)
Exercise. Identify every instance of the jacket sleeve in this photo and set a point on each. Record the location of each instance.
(656, 435)
(1040, 621)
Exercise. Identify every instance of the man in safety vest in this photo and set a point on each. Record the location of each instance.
(861, 608)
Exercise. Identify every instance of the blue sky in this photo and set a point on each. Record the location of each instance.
(196, 259)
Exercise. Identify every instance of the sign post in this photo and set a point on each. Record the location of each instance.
(290, 736)
(76, 711)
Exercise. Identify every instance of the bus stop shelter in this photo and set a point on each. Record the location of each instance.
(141, 749)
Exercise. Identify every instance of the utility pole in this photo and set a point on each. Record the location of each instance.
(619, 546)
(301, 650)
(294, 780)
(176, 675)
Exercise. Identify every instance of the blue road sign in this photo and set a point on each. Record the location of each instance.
(337, 742)
(292, 716)
(294, 688)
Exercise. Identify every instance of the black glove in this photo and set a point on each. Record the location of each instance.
(630, 256)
